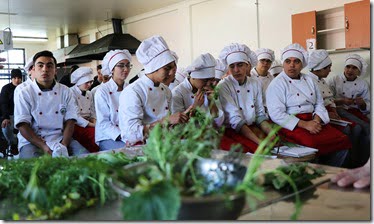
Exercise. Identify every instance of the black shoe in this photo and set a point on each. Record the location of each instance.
(14, 149)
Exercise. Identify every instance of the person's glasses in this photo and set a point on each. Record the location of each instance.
(121, 65)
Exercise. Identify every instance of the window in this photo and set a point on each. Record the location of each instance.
(15, 58)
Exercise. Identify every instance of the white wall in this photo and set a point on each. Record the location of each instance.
(199, 26)
(31, 48)
(194, 27)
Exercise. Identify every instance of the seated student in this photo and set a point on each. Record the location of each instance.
(84, 131)
(241, 99)
(196, 91)
(97, 79)
(220, 71)
(296, 104)
(276, 68)
(7, 108)
(116, 63)
(180, 75)
(45, 113)
(319, 64)
(170, 80)
(147, 101)
(260, 72)
(352, 96)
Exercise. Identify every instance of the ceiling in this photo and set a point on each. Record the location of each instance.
(51, 18)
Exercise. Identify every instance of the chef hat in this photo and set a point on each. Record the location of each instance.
(265, 53)
(220, 69)
(154, 53)
(29, 65)
(180, 75)
(203, 67)
(276, 67)
(295, 51)
(358, 61)
(318, 59)
(175, 56)
(237, 53)
(81, 75)
(112, 58)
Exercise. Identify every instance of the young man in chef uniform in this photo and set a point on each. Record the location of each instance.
(45, 113)
(147, 101)
(197, 90)
(351, 91)
(241, 98)
(295, 103)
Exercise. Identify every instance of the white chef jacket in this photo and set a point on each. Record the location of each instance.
(107, 105)
(182, 98)
(45, 111)
(242, 104)
(142, 103)
(85, 106)
(264, 81)
(326, 92)
(287, 97)
(341, 87)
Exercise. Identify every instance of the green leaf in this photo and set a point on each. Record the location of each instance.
(158, 201)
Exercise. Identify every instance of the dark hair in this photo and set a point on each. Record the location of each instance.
(44, 54)
(16, 73)
(99, 67)
(73, 68)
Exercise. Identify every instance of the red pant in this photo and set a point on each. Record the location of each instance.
(326, 141)
(231, 137)
(86, 137)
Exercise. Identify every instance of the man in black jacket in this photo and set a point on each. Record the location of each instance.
(7, 108)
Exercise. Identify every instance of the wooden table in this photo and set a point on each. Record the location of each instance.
(321, 202)
(327, 202)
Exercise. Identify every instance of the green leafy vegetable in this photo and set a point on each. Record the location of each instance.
(153, 201)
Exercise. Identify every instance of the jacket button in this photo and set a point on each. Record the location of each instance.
(40, 113)
(298, 94)
(55, 93)
(117, 110)
(238, 91)
(241, 108)
(110, 93)
(247, 91)
(150, 89)
(56, 112)
(166, 108)
(39, 94)
(299, 106)
(311, 94)
(192, 97)
(153, 110)
(162, 89)
(252, 106)
(343, 93)
(290, 81)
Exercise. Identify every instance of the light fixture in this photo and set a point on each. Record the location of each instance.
(30, 39)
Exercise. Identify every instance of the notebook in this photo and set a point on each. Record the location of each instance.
(294, 151)
(339, 122)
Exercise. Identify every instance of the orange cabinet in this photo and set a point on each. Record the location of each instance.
(338, 28)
